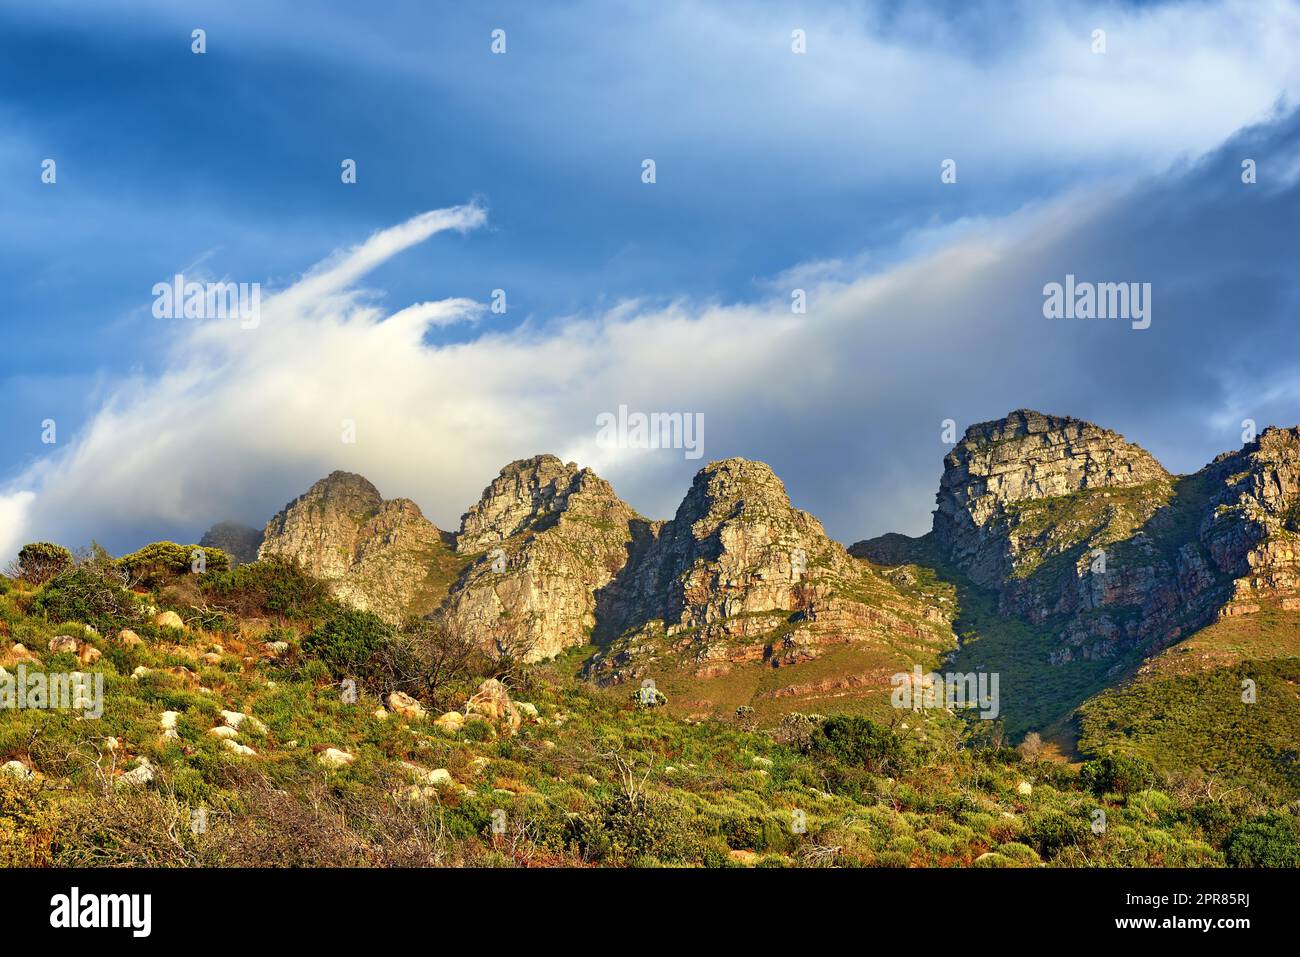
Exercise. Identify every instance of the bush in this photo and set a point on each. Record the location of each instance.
(798, 731)
(38, 562)
(623, 830)
(28, 824)
(860, 742)
(431, 661)
(1268, 841)
(1053, 831)
(1117, 774)
(349, 643)
(156, 563)
(270, 587)
(81, 595)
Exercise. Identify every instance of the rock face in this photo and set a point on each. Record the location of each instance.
(989, 517)
(1252, 528)
(542, 540)
(740, 575)
(240, 542)
(1086, 535)
(378, 555)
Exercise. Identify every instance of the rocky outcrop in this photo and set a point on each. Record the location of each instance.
(378, 555)
(991, 515)
(1085, 534)
(1252, 528)
(542, 540)
(240, 542)
(740, 575)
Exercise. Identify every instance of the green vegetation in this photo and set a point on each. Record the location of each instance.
(594, 779)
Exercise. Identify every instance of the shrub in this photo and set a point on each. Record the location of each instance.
(798, 731)
(623, 829)
(860, 742)
(427, 659)
(156, 563)
(28, 824)
(38, 562)
(349, 643)
(1053, 831)
(270, 587)
(1268, 841)
(1117, 774)
(80, 594)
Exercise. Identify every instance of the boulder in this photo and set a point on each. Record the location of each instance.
(88, 654)
(426, 777)
(224, 732)
(62, 643)
(237, 719)
(450, 722)
(1024, 788)
(168, 619)
(138, 777)
(16, 769)
(129, 638)
(528, 711)
(243, 750)
(403, 704)
(167, 721)
(335, 758)
(493, 703)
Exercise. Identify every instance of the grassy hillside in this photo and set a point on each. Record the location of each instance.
(593, 779)
(1185, 711)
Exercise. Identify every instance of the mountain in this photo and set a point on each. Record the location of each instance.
(1108, 594)
(740, 584)
(542, 540)
(379, 555)
(240, 542)
(1062, 557)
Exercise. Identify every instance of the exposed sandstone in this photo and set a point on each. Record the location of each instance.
(377, 555)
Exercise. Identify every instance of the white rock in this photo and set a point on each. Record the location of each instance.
(335, 758)
(168, 619)
(16, 769)
(424, 776)
(242, 750)
(138, 777)
(1025, 788)
(403, 704)
(140, 672)
(224, 732)
(451, 722)
(236, 719)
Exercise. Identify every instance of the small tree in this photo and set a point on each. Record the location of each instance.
(1031, 749)
(431, 660)
(38, 562)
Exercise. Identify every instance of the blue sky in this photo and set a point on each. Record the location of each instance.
(774, 170)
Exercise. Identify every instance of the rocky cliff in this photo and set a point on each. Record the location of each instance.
(542, 540)
(739, 575)
(1087, 536)
(378, 555)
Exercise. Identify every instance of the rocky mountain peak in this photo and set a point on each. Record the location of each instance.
(1003, 466)
(375, 554)
(527, 494)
